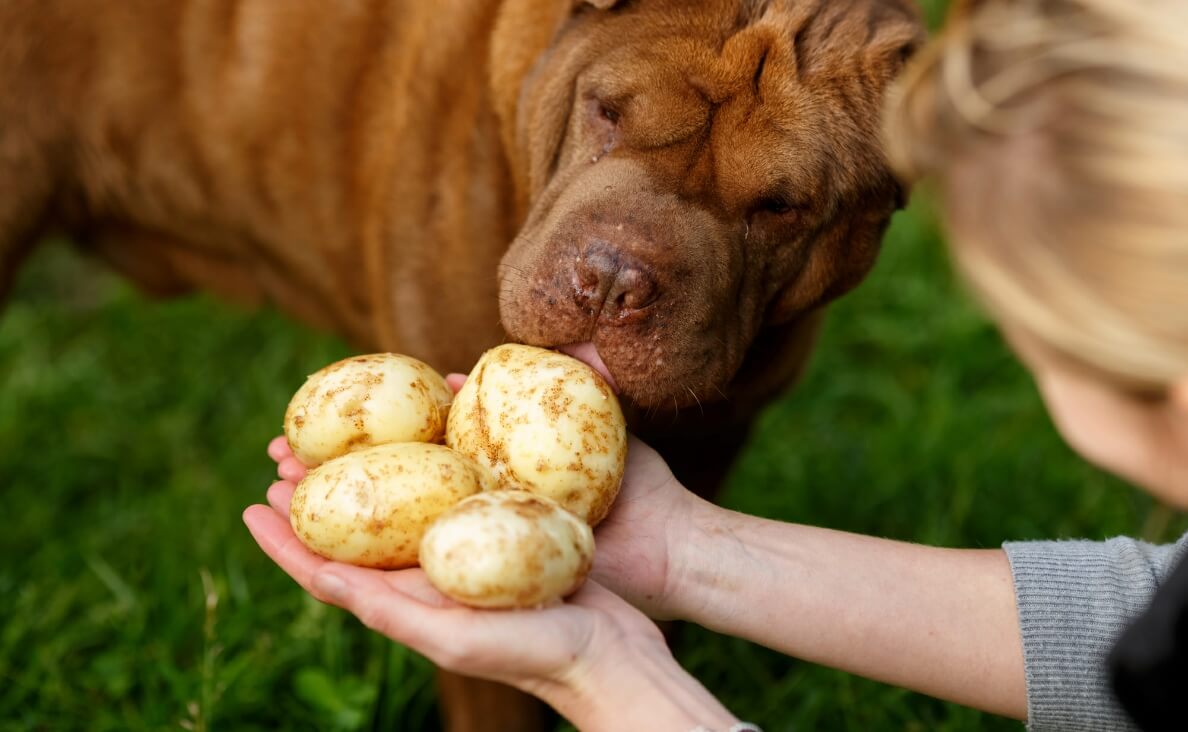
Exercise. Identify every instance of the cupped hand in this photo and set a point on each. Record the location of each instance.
(548, 652)
(636, 542)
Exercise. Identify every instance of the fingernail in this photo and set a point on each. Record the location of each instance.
(331, 586)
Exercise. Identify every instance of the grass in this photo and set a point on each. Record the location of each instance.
(132, 435)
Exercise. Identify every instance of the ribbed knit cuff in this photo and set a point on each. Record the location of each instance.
(1075, 598)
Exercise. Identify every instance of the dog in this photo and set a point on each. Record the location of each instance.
(679, 187)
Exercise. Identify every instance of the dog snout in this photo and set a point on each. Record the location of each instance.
(611, 284)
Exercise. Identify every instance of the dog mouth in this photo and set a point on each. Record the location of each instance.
(587, 353)
(660, 389)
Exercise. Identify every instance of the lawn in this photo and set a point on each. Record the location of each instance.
(132, 435)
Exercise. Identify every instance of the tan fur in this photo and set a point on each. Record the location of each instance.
(369, 165)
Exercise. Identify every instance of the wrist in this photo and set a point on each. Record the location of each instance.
(699, 561)
(632, 686)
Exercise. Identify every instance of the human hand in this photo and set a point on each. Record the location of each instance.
(573, 655)
(527, 649)
(636, 542)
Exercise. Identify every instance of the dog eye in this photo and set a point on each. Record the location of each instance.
(608, 113)
(775, 205)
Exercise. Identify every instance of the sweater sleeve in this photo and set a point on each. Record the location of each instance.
(1074, 600)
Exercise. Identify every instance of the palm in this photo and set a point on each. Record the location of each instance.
(518, 647)
(633, 541)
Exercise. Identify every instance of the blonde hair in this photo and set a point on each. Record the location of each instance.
(1058, 133)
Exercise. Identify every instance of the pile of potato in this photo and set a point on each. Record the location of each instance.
(498, 517)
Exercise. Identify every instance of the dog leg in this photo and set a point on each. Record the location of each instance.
(473, 705)
(24, 202)
(13, 249)
(29, 162)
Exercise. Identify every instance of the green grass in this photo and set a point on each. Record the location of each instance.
(132, 435)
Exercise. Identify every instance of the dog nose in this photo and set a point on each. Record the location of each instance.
(608, 282)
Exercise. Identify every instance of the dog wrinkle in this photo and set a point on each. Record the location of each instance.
(749, 13)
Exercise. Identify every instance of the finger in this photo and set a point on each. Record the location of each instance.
(272, 532)
(278, 448)
(280, 494)
(492, 644)
(401, 616)
(456, 381)
(411, 583)
(274, 535)
(291, 469)
(415, 583)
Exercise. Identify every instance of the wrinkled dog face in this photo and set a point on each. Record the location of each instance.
(699, 171)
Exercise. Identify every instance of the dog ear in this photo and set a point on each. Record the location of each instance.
(898, 35)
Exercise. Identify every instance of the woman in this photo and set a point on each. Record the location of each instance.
(1057, 134)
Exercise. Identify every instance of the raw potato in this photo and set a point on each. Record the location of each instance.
(364, 401)
(507, 549)
(543, 422)
(371, 507)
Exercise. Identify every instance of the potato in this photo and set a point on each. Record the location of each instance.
(545, 423)
(364, 401)
(507, 549)
(371, 507)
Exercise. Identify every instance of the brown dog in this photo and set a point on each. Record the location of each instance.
(683, 184)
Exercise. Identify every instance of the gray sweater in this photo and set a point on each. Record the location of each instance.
(1075, 598)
